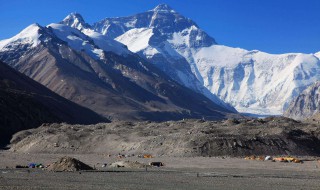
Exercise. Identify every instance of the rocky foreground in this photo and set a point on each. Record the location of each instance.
(187, 138)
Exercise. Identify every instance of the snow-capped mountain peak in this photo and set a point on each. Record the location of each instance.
(163, 8)
(75, 20)
(29, 35)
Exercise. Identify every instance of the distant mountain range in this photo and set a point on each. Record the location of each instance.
(156, 65)
(101, 74)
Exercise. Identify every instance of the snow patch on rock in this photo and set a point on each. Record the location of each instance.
(136, 39)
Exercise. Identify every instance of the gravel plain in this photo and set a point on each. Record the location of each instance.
(178, 173)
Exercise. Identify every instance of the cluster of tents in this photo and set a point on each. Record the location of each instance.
(31, 165)
(275, 159)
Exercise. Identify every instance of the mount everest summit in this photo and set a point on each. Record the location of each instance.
(143, 66)
(251, 81)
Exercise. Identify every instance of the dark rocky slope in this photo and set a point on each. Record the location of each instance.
(26, 104)
(306, 105)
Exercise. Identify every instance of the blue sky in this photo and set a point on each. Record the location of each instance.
(274, 26)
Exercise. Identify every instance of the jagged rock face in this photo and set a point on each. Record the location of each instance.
(306, 105)
(251, 81)
(26, 104)
(118, 85)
